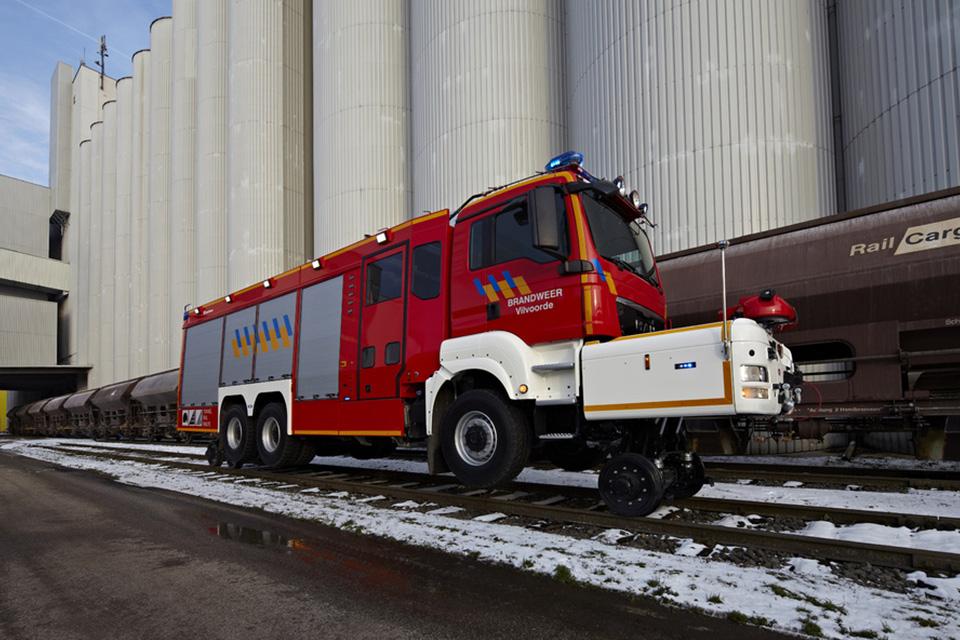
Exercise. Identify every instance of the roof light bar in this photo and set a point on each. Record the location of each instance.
(564, 160)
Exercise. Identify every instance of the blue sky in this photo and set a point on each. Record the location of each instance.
(38, 33)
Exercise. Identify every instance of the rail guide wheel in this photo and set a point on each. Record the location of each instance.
(631, 485)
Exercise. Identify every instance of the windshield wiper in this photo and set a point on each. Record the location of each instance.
(623, 264)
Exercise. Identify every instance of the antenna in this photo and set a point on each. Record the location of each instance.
(722, 245)
(102, 63)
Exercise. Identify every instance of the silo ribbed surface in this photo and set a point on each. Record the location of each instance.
(94, 329)
(108, 246)
(61, 105)
(361, 103)
(183, 160)
(269, 193)
(211, 160)
(487, 90)
(81, 225)
(159, 308)
(139, 216)
(717, 113)
(122, 272)
(900, 95)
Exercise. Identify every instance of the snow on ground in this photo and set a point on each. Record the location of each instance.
(802, 591)
(946, 541)
(861, 462)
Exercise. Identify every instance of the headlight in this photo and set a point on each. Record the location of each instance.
(755, 393)
(753, 373)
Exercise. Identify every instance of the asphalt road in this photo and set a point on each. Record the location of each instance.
(82, 556)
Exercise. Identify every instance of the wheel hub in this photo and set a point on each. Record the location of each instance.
(475, 437)
(270, 435)
(234, 433)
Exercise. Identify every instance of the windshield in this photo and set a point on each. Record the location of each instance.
(618, 240)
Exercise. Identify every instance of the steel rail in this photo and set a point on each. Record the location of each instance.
(710, 535)
(895, 478)
(835, 515)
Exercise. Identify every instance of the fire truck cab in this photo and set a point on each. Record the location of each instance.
(531, 319)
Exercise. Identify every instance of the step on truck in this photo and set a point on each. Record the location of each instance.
(530, 321)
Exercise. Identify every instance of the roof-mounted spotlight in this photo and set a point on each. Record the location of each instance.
(267, 284)
(196, 311)
(620, 185)
(382, 237)
(635, 199)
(228, 298)
(316, 264)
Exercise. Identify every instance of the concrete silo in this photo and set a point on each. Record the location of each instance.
(95, 250)
(900, 96)
(361, 102)
(211, 149)
(123, 210)
(270, 155)
(108, 229)
(487, 87)
(182, 160)
(139, 212)
(159, 308)
(718, 113)
(61, 106)
(81, 266)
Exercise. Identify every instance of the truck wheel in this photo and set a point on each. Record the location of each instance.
(631, 485)
(571, 455)
(276, 448)
(236, 440)
(485, 440)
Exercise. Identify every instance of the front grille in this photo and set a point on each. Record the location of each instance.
(635, 319)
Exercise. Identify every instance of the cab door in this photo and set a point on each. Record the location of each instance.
(510, 285)
(382, 324)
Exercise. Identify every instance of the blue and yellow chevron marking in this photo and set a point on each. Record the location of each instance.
(264, 339)
(508, 287)
(605, 276)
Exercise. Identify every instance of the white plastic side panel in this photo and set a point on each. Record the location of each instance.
(249, 392)
(158, 245)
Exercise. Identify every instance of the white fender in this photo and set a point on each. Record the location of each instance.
(549, 373)
(250, 392)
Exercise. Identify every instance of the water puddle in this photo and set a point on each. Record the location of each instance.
(251, 535)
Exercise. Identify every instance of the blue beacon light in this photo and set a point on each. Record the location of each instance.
(564, 159)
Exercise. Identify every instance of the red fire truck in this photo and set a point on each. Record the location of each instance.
(531, 317)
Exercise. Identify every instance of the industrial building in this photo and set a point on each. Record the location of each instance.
(253, 136)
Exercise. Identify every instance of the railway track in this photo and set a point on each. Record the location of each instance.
(863, 476)
(577, 505)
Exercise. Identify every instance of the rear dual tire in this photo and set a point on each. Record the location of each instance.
(236, 437)
(276, 448)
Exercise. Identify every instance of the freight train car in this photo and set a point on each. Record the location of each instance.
(878, 296)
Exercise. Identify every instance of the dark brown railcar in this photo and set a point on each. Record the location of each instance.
(83, 415)
(116, 414)
(156, 405)
(56, 417)
(878, 297)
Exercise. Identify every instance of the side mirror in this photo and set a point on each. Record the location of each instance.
(546, 228)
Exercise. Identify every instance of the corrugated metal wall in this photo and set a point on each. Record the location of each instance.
(487, 90)
(724, 133)
(123, 268)
(29, 331)
(183, 248)
(140, 203)
(268, 167)
(24, 210)
(158, 174)
(108, 246)
(211, 162)
(361, 100)
(900, 96)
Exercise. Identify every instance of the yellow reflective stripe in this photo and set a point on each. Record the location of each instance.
(283, 335)
(236, 348)
(505, 289)
(264, 341)
(491, 294)
(522, 285)
(610, 283)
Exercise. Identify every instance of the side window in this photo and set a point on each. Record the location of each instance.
(368, 357)
(508, 235)
(425, 283)
(391, 354)
(384, 279)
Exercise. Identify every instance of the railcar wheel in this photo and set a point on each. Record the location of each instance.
(690, 474)
(276, 448)
(485, 440)
(236, 438)
(631, 485)
(573, 455)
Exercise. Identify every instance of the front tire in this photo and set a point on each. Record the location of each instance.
(485, 439)
(236, 438)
